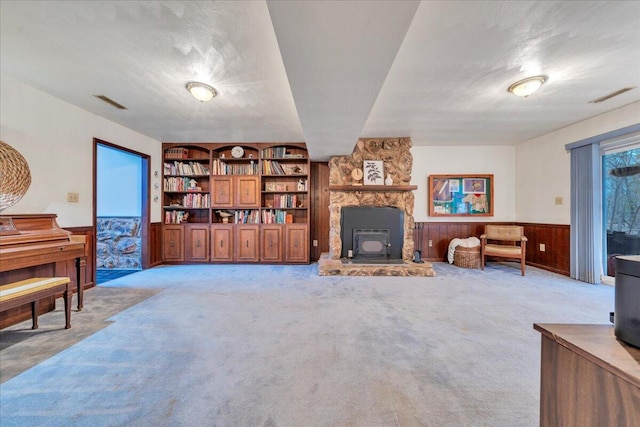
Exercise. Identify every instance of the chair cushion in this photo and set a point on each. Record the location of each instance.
(502, 250)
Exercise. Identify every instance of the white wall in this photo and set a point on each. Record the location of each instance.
(56, 139)
(442, 160)
(543, 166)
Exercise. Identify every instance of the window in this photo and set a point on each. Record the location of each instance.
(589, 254)
(621, 201)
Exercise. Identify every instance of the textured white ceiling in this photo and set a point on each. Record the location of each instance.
(328, 72)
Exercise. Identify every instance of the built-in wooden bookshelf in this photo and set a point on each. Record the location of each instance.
(186, 191)
(253, 199)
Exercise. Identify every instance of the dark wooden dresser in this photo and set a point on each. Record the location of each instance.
(588, 377)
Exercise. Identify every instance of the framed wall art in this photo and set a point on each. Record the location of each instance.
(373, 172)
(460, 195)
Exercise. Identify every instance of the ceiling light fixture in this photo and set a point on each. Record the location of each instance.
(200, 91)
(526, 87)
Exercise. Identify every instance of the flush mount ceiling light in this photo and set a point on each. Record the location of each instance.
(526, 87)
(200, 91)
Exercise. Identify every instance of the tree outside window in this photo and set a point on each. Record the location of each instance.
(621, 197)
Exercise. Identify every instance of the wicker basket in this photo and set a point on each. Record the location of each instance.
(15, 177)
(467, 257)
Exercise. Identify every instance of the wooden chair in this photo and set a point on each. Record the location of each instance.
(504, 233)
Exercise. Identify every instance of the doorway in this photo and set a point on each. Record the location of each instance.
(121, 210)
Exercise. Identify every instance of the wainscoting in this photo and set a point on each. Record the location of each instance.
(435, 238)
(90, 269)
(155, 244)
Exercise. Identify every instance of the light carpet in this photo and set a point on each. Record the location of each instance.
(260, 345)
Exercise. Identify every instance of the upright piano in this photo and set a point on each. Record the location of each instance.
(35, 246)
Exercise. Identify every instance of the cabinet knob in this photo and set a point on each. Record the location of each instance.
(222, 243)
(270, 243)
(197, 243)
(173, 243)
(247, 243)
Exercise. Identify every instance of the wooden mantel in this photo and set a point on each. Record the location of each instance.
(373, 187)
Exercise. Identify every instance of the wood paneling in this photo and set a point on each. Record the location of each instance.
(155, 244)
(555, 238)
(319, 193)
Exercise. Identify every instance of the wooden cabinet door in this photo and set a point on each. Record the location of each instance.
(222, 243)
(173, 243)
(247, 192)
(197, 242)
(297, 243)
(247, 243)
(271, 243)
(222, 191)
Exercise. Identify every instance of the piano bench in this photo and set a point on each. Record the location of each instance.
(31, 290)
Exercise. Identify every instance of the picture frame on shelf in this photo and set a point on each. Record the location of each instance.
(461, 195)
(373, 172)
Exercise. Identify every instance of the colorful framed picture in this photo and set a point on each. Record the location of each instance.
(460, 195)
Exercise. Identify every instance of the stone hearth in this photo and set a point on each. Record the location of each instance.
(338, 267)
(398, 162)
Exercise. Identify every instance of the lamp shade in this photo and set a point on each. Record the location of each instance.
(200, 91)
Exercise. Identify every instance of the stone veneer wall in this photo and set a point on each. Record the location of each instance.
(118, 242)
(398, 162)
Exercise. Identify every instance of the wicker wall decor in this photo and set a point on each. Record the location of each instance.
(15, 176)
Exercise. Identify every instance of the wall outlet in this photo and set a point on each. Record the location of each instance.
(315, 243)
(430, 243)
(73, 197)
(543, 247)
(559, 201)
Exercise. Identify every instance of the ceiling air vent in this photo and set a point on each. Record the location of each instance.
(611, 95)
(111, 102)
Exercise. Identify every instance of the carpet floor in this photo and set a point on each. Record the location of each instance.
(260, 345)
(106, 274)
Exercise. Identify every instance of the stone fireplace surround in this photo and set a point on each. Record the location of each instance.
(398, 162)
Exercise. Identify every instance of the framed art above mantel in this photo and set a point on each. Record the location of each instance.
(461, 195)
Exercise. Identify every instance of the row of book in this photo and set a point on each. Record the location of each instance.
(285, 201)
(274, 152)
(180, 183)
(219, 167)
(247, 217)
(175, 217)
(240, 217)
(196, 200)
(276, 217)
(272, 167)
(176, 153)
(183, 168)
